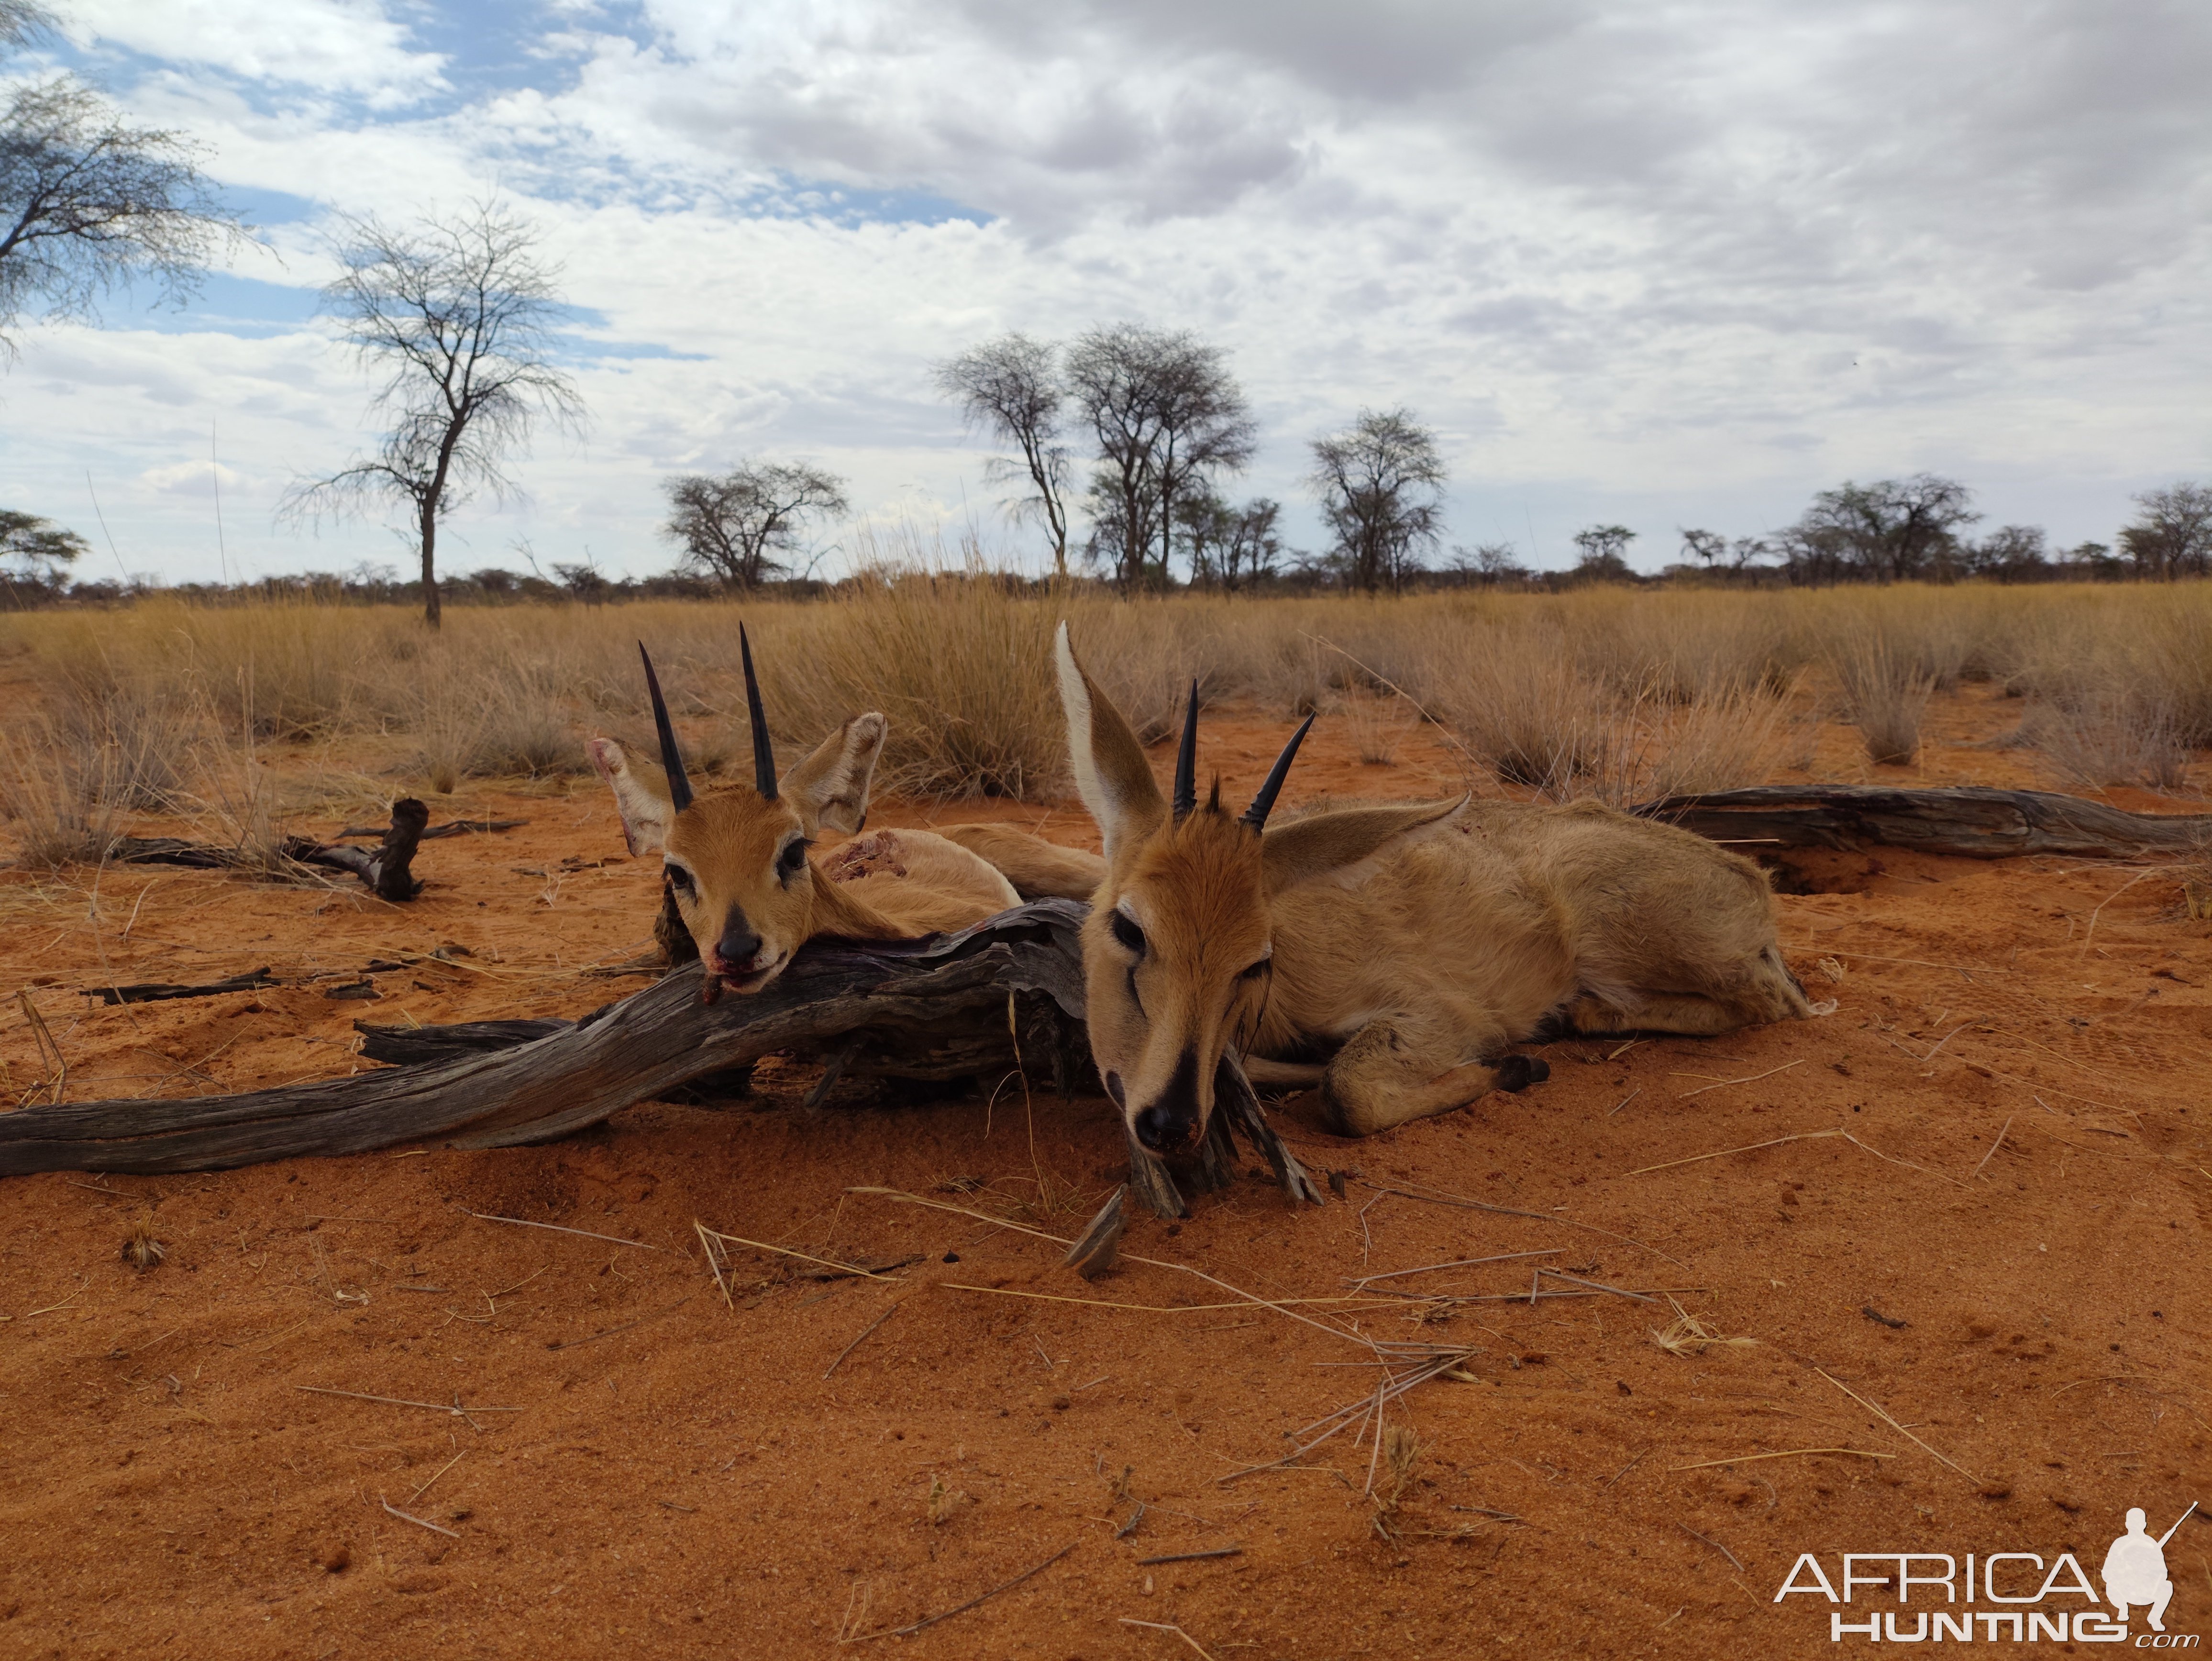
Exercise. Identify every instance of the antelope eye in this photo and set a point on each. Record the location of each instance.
(1126, 931)
(1253, 971)
(793, 859)
(680, 880)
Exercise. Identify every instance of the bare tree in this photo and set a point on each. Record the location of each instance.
(88, 203)
(1010, 387)
(1167, 417)
(1890, 531)
(1381, 485)
(2172, 535)
(733, 526)
(460, 315)
(1229, 548)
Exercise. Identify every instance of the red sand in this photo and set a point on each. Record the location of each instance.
(680, 1477)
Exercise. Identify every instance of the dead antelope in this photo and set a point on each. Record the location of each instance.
(736, 859)
(1412, 944)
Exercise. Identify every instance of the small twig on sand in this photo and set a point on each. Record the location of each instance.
(453, 1408)
(1166, 1626)
(865, 1331)
(1411, 1190)
(1191, 1556)
(1753, 1078)
(1457, 1263)
(1994, 1147)
(435, 1476)
(931, 1621)
(1626, 1469)
(1786, 1453)
(714, 1261)
(1882, 1413)
(525, 1222)
(1625, 1101)
(786, 1251)
(418, 1521)
(1595, 1285)
(1703, 1541)
(1748, 1147)
(2091, 934)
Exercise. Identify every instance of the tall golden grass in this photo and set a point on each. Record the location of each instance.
(1608, 692)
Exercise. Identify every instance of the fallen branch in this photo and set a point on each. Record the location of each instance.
(163, 991)
(386, 870)
(1974, 821)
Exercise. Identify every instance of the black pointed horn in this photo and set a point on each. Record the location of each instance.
(1186, 778)
(1264, 803)
(764, 751)
(672, 760)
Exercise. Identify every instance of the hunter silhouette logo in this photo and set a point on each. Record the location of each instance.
(1999, 1595)
(2135, 1569)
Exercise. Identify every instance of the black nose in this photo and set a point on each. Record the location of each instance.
(1163, 1129)
(738, 942)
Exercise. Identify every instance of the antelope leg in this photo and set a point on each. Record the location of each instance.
(1149, 1180)
(1233, 1092)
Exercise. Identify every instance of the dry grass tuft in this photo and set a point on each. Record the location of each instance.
(1886, 696)
(1685, 1334)
(140, 1249)
(1377, 726)
(1399, 1448)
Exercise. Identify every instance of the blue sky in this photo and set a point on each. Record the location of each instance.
(1663, 266)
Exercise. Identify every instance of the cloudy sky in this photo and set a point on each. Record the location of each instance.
(1667, 262)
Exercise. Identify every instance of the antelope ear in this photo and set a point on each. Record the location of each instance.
(1111, 774)
(1310, 848)
(643, 798)
(829, 788)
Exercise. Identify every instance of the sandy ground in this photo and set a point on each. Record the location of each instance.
(1965, 1244)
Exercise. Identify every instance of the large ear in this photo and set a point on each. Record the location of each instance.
(1111, 774)
(1310, 848)
(829, 788)
(641, 798)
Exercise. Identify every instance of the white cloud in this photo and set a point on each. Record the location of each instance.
(1658, 265)
(339, 46)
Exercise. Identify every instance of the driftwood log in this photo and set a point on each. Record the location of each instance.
(386, 869)
(1007, 993)
(1972, 821)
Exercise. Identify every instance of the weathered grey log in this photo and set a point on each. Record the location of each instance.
(911, 996)
(933, 1008)
(167, 991)
(1972, 821)
(387, 869)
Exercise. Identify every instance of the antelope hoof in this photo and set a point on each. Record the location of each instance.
(1517, 1072)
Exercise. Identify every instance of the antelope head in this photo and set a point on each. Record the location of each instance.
(1178, 953)
(734, 859)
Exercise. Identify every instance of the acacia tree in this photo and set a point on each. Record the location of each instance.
(1167, 417)
(2172, 535)
(460, 313)
(1605, 554)
(88, 203)
(40, 552)
(1381, 486)
(732, 527)
(1010, 387)
(1890, 531)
